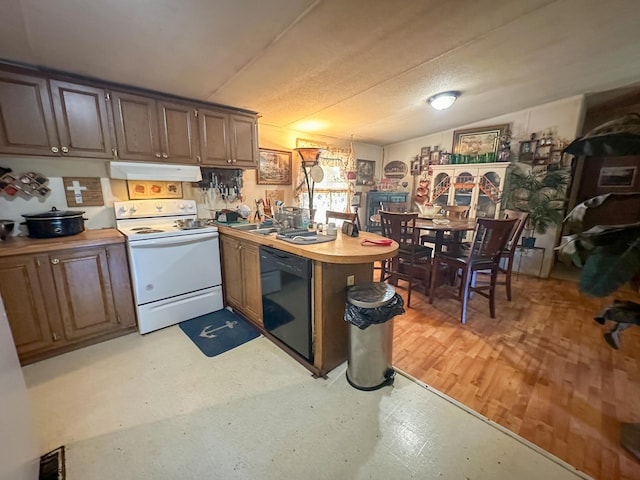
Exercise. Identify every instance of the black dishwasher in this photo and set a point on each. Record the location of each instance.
(286, 298)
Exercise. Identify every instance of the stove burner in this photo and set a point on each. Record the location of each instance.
(142, 230)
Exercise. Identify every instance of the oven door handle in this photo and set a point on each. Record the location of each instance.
(181, 240)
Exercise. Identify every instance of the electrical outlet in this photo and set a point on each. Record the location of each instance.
(351, 279)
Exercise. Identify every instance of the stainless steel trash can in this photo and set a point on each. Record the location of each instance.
(370, 349)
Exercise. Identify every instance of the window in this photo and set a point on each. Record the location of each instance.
(333, 193)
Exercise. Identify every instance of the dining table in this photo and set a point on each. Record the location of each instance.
(441, 226)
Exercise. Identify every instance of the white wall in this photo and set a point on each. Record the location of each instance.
(12, 208)
(19, 457)
(563, 117)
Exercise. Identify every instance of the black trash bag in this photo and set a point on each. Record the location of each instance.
(362, 317)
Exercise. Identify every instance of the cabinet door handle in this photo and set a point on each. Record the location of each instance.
(55, 261)
(55, 337)
(229, 161)
(55, 149)
(65, 150)
(158, 155)
(198, 158)
(164, 155)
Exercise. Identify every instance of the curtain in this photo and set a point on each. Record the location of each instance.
(335, 191)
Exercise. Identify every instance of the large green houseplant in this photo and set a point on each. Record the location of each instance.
(609, 255)
(542, 196)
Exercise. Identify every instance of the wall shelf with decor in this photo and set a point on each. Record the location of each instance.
(540, 151)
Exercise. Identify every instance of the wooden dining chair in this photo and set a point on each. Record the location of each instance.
(489, 240)
(454, 212)
(413, 262)
(398, 207)
(505, 268)
(350, 217)
(509, 252)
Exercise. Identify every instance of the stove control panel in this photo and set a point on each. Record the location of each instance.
(153, 208)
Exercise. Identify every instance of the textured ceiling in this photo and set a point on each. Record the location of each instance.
(355, 67)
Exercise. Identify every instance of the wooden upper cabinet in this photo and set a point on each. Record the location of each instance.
(213, 126)
(82, 119)
(51, 116)
(244, 140)
(52, 119)
(136, 125)
(27, 125)
(227, 139)
(150, 129)
(178, 132)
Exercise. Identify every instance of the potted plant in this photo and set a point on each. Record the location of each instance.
(609, 254)
(542, 195)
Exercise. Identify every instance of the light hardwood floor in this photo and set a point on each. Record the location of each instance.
(541, 368)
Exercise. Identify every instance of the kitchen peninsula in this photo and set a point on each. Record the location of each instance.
(333, 265)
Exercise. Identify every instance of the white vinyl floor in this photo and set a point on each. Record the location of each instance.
(154, 407)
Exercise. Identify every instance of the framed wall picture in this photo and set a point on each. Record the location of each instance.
(424, 151)
(424, 163)
(274, 167)
(415, 167)
(555, 156)
(395, 169)
(434, 157)
(366, 170)
(139, 189)
(617, 176)
(479, 140)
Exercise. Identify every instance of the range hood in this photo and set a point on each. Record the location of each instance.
(154, 171)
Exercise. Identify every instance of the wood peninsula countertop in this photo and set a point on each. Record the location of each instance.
(344, 250)
(336, 265)
(87, 238)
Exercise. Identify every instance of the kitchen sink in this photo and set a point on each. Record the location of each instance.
(265, 231)
(246, 226)
(255, 228)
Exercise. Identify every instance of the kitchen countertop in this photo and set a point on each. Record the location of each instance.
(344, 250)
(87, 238)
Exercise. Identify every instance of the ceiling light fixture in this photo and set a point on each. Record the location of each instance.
(443, 100)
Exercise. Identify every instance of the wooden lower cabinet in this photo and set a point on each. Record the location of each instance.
(241, 284)
(60, 300)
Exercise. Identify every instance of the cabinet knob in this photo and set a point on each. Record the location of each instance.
(229, 161)
(55, 149)
(199, 160)
(158, 155)
(55, 261)
(65, 150)
(55, 337)
(164, 155)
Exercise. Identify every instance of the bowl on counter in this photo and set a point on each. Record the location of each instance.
(194, 223)
(6, 227)
(429, 210)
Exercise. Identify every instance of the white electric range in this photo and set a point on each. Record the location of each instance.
(175, 272)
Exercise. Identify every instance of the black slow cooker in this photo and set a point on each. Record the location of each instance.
(55, 223)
